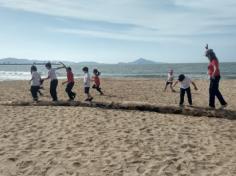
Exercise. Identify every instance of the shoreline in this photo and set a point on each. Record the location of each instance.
(162, 78)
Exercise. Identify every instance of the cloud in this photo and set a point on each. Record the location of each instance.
(104, 35)
(141, 20)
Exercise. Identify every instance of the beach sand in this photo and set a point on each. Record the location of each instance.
(82, 141)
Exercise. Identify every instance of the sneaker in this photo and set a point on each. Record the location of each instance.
(181, 105)
(74, 95)
(86, 99)
(35, 101)
(54, 101)
(223, 106)
(212, 107)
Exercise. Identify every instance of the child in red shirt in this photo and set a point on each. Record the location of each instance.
(70, 84)
(96, 80)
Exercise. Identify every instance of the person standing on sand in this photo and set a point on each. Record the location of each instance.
(54, 81)
(214, 73)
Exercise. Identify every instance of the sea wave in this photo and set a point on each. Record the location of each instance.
(18, 75)
(14, 75)
(194, 71)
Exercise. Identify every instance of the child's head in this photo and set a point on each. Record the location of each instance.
(181, 77)
(33, 68)
(85, 69)
(68, 69)
(96, 72)
(48, 65)
(171, 71)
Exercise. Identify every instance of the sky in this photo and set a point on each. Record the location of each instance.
(112, 31)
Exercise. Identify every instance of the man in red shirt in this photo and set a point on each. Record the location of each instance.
(214, 73)
(70, 84)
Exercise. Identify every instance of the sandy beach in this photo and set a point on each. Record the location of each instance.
(81, 141)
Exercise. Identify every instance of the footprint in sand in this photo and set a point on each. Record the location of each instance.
(13, 159)
(108, 162)
(141, 169)
(24, 164)
(76, 164)
(56, 171)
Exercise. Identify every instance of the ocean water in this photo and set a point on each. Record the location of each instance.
(196, 71)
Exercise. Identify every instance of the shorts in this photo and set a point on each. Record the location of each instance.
(86, 90)
(167, 83)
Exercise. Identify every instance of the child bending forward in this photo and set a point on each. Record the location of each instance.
(185, 87)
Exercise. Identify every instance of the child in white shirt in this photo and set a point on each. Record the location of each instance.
(54, 81)
(170, 80)
(35, 83)
(87, 84)
(185, 87)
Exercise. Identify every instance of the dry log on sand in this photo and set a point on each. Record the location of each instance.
(138, 106)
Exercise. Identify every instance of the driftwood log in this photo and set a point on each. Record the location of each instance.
(138, 106)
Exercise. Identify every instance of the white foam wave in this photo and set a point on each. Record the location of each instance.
(12, 75)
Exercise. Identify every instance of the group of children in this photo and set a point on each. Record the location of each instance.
(185, 82)
(36, 82)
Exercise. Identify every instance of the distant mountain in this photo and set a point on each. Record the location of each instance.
(27, 61)
(143, 61)
(140, 61)
(17, 61)
(30, 61)
(9, 60)
(88, 63)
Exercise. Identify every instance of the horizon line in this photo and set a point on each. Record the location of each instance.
(105, 63)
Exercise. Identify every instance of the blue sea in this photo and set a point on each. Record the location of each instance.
(196, 71)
